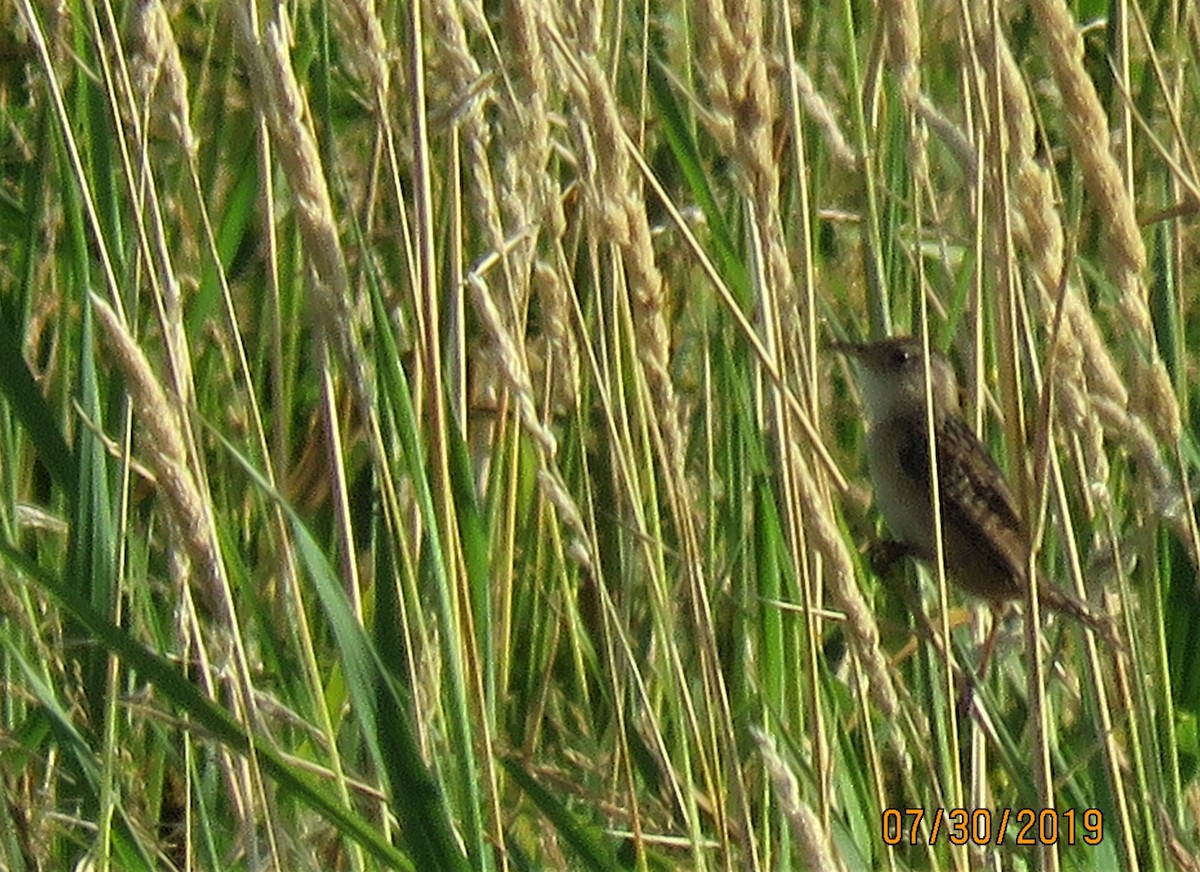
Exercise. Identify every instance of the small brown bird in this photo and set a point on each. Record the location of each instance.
(984, 541)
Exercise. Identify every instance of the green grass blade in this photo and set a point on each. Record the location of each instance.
(174, 687)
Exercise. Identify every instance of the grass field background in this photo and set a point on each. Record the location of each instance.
(419, 446)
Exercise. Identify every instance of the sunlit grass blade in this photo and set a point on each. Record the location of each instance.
(379, 703)
(590, 849)
(166, 679)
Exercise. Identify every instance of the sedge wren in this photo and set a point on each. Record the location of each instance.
(985, 543)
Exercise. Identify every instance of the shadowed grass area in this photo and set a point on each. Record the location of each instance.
(419, 446)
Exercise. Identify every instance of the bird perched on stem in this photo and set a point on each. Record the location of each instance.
(985, 543)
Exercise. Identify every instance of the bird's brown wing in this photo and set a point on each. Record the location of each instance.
(974, 475)
(986, 542)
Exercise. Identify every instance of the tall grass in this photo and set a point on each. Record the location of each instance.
(418, 448)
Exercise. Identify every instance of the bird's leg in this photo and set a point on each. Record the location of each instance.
(884, 554)
(966, 698)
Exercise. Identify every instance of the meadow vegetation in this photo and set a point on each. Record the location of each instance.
(419, 447)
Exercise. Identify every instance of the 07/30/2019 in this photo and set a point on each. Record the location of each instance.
(983, 826)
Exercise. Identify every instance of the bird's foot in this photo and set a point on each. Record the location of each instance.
(884, 554)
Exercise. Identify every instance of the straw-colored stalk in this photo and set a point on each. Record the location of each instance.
(159, 71)
(620, 212)
(1091, 397)
(744, 109)
(281, 102)
(1087, 131)
(166, 454)
(531, 194)
(813, 840)
(1083, 360)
